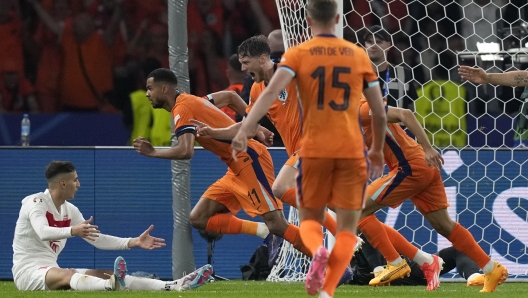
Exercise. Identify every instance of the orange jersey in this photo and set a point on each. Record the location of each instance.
(284, 114)
(330, 74)
(189, 107)
(399, 148)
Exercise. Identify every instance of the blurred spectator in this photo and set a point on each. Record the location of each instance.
(441, 107)
(396, 81)
(87, 60)
(235, 76)
(11, 46)
(152, 124)
(207, 65)
(156, 45)
(202, 15)
(50, 57)
(16, 92)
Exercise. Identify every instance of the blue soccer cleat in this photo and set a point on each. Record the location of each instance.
(120, 271)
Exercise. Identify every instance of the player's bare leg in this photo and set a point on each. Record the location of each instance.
(463, 241)
(212, 216)
(91, 280)
(284, 188)
(278, 225)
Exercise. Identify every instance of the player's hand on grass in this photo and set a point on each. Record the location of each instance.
(144, 147)
(146, 241)
(472, 74)
(265, 136)
(433, 158)
(202, 130)
(86, 230)
(376, 163)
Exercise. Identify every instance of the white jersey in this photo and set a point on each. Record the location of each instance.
(41, 232)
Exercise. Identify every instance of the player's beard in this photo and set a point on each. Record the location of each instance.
(157, 103)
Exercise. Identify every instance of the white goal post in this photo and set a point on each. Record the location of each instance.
(477, 129)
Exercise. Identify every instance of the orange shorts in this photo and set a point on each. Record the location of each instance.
(250, 189)
(293, 161)
(331, 182)
(422, 184)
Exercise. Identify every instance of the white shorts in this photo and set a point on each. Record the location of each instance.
(34, 278)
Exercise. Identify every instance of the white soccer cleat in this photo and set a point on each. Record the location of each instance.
(196, 279)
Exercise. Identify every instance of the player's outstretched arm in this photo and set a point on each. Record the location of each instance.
(379, 121)
(184, 149)
(205, 131)
(278, 82)
(432, 157)
(230, 99)
(518, 78)
(146, 241)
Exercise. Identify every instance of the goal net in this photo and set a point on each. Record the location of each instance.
(481, 130)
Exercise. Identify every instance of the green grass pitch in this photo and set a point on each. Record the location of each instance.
(259, 289)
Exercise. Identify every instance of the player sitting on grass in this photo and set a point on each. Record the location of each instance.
(47, 220)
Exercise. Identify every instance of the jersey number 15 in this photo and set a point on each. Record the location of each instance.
(320, 74)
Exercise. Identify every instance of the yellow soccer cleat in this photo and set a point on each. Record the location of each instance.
(498, 275)
(391, 273)
(476, 281)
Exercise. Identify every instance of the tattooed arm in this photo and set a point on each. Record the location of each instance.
(517, 78)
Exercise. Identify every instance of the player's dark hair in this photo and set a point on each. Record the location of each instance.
(254, 46)
(57, 167)
(234, 63)
(323, 11)
(163, 75)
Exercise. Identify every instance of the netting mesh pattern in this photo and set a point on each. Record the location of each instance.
(477, 127)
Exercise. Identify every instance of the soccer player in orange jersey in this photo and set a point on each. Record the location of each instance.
(254, 55)
(333, 168)
(415, 174)
(247, 183)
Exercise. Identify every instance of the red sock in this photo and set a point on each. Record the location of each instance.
(372, 228)
(289, 197)
(464, 242)
(229, 224)
(338, 261)
(292, 235)
(402, 245)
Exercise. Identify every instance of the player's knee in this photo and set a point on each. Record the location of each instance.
(278, 189)
(68, 274)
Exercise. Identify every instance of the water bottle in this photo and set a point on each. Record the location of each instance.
(24, 134)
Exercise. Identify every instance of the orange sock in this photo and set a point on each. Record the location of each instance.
(464, 242)
(372, 228)
(293, 236)
(338, 261)
(311, 234)
(289, 197)
(229, 224)
(402, 245)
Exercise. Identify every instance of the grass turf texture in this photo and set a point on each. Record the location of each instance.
(260, 289)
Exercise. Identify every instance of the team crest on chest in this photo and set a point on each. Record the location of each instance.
(283, 95)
